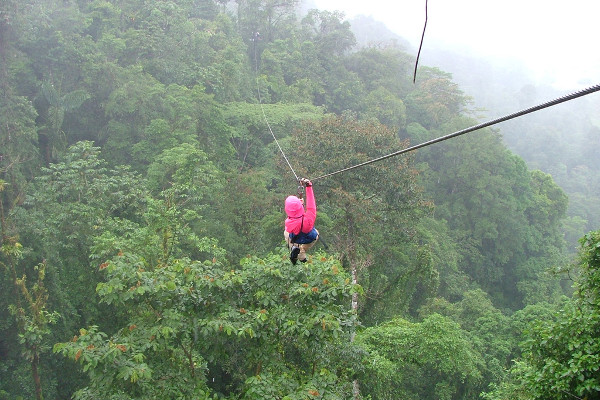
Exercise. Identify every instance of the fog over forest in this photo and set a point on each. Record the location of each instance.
(149, 155)
(562, 141)
(552, 40)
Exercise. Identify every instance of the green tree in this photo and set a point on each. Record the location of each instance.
(386, 77)
(157, 231)
(289, 72)
(251, 135)
(330, 38)
(271, 18)
(202, 313)
(18, 154)
(265, 329)
(560, 352)
(152, 353)
(430, 359)
(170, 39)
(244, 215)
(389, 68)
(29, 310)
(69, 203)
(494, 335)
(23, 316)
(330, 33)
(386, 108)
(188, 321)
(130, 108)
(435, 100)
(505, 217)
(545, 246)
(65, 207)
(446, 257)
(561, 356)
(374, 210)
(52, 138)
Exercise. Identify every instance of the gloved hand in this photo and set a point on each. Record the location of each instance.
(305, 182)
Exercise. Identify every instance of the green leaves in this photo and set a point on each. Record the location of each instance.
(374, 209)
(561, 355)
(505, 217)
(33, 320)
(179, 318)
(268, 313)
(431, 359)
(166, 88)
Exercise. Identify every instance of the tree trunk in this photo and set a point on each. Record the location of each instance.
(2, 220)
(354, 272)
(35, 362)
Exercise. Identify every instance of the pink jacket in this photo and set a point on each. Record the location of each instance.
(295, 211)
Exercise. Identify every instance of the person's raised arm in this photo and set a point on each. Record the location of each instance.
(311, 206)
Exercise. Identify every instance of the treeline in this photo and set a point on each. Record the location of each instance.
(562, 141)
(567, 142)
(141, 217)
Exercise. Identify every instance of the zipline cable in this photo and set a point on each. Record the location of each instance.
(255, 38)
(547, 104)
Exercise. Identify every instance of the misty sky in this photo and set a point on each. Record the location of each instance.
(558, 40)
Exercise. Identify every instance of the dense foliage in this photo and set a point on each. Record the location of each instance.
(141, 216)
(562, 141)
(561, 354)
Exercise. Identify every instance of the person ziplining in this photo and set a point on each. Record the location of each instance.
(300, 233)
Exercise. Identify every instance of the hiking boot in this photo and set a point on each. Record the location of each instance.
(294, 254)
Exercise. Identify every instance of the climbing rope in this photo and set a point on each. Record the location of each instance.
(255, 39)
(547, 104)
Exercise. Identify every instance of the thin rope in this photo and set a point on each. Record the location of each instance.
(420, 45)
(547, 104)
(263, 109)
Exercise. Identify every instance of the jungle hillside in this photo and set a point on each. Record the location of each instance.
(147, 148)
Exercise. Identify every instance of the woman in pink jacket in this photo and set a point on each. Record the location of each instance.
(300, 233)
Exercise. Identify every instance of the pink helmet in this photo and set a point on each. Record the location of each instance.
(293, 207)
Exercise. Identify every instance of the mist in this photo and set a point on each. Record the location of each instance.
(554, 41)
(560, 141)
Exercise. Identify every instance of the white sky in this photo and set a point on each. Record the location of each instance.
(558, 39)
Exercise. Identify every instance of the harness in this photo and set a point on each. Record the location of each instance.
(303, 237)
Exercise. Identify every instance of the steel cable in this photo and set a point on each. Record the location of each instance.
(538, 107)
(263, 110)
